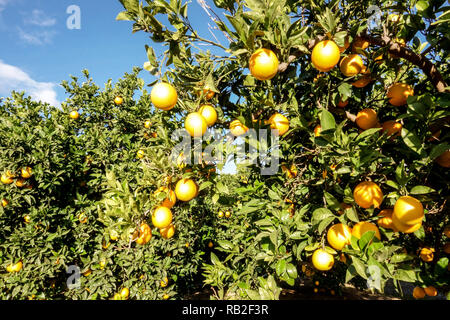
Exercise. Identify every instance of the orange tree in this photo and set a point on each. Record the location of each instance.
(360, 196)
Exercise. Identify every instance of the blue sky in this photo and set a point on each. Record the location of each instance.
(39, 51)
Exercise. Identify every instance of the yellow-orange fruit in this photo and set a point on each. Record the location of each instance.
(366, 119)
(161, 217)
(263, 64)
(325, 55)
(280, 123)
(171, 198)
(351, 65)
(431, 291)
(398, 93)
(317, 130)
(164, 96)
(359, 43)
(392, 127)
(339, 235)
(385, 219)
(322, 260)
(186, 189)
(367, 194)
(145, 234)
(408, 210)
(195, 124)
(342, 104)
(427, 254)
(167, 232)
(362, 227)
(418, 293)
(237, 128)
(444, 159)
(209, 113)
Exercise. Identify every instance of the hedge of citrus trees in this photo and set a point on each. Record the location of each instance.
(360, 102)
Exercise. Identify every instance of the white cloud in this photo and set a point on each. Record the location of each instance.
(39, 18)
(13, 78)
(35, 37)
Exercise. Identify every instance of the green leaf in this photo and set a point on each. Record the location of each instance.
(412, 141)
(291, 271)
(327, 121)
(366, 239)
(281, 267)
(392, 184)
(332, 202)
(359, 267)
(441, 266)
(420, 233)
(324, 224)
(421, 190)
(352, 214)
(345, 89)
(320, 214)
(125, 16)
(438, 150)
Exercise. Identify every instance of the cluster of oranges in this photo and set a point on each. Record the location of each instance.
(8, 177)
(406, 217)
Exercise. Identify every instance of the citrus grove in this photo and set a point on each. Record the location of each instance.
(361, 195)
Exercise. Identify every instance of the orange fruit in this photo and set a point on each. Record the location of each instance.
(392, 127)
(14, 267)
(435, 136)
(171, 198)
(344, 206)
(418, 293)
(339, 235)
(145, 234)
(210, 244)
(398, 93)
(385, 219)
(20, 182)
(164, 282)
(118, 100)
(408, 210)
(280, 123)
(447, 248)
(342, 104)
(404, 227)
(147, 124)
(6, 179)
(74, 115)
(26, 172)
(378, 59)
(195, 124)
(263, 64)
(4, 203)
(366, 119)
(367, 194)
(322, 260)
(140, 154)
(186, 189)
(161, 217)
(447, 231)
(220, 214)
(317, 130)
(427, 254)
(444, 159)
(325, 55)
(167, 232)
(364, 80)
(359, 43)
(164, 96)
(362, 227)
(227, 214)
(431, 291)
(166, 296)
(351, 65)
(209, 113)
(237, 128)
(207, 94)
(124, 293)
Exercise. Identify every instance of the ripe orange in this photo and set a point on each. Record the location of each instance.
(26, 172)
(195, 124)
(447, 231)
(362, 227)
(118, 100)
(364, 80)
(6, 179)
(263, 64)
(207, 94)
(166, 296)
(444, 159)
(359, 43)
(186, 189)
(317, 130)
(20, 182)
(147, 124)
(145, 234)
(404, 227)
(431, 291)
(325, 55)
(398, 93)
(366, 119)
(210, 244)
(446, 248)
(342, 104)
(113, 235)
(4, 203)
(344, 206)
(351, 65)
(367, 194)
(74, 115)
(161, 217)
(27, 219)
(237, 128)
(392, 127)
(322, 260)
(124, 293)
(220, 214)
(14, 267)
(227, 214)
(209, 113)
(408, 210)
(164, 96)
(164, 282)
(339, 235)
(280, 123)
(171, 198)
(427, 254)
(167, 232)
(418, 293)
(140, 154)
(385, 219)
